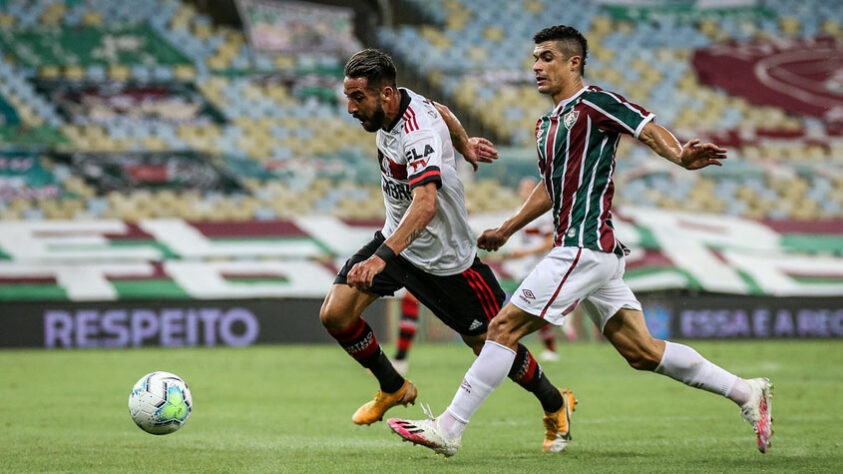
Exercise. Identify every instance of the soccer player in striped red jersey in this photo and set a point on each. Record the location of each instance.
(576, 150)
(426, 245)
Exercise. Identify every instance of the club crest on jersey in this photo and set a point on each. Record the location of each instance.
(385, 167)
(570, 118)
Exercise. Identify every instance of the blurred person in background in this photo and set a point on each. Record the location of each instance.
(532, 244)
(426, 245)
(576, 144)
(407, 327)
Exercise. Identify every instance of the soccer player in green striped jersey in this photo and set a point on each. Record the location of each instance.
(576, 145)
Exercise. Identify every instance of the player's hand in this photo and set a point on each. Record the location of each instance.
(362, 274)
(479, 151)
(695, 156)
(491, 239)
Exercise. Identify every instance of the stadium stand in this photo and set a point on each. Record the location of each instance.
(163, 80)
(485, 69)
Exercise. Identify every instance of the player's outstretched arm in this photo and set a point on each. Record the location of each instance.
(475, 150)
(691, 156)
(422, 209)
(536, 204)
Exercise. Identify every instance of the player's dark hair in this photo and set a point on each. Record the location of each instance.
(571, 41)
(373, 64)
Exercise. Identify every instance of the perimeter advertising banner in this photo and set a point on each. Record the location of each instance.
(169, 323)
(743, 317)
(111, 260)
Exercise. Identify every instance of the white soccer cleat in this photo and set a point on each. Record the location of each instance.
(758, 411)
(426, 433)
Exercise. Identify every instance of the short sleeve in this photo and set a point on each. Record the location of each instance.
(612, 112)
(423, 152)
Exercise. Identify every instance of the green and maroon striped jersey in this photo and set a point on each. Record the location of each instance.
(576, 146)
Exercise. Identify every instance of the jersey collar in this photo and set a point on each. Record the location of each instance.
(402, 109)
(559, 108)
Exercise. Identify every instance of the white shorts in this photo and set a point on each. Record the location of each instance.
(568, 276)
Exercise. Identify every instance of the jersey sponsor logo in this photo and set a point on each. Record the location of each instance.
(570, 118)
(413, 155)
(418, 164)
(397, 191)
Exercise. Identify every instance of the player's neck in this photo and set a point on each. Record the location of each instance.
(567, 91)
(392, 109)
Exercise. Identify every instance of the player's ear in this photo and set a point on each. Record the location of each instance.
(574, 63)
(387, 92)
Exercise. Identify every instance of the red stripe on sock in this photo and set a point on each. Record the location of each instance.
(530, 372)
(352, 332)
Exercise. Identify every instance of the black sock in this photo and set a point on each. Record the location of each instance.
(360, 342)
(527, 373)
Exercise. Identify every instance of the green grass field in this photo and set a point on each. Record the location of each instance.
(288, 409)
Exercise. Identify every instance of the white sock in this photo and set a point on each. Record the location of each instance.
(452, 428)
(485, 375)
(686, 365)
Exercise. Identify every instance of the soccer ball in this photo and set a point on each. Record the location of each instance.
(160, 403)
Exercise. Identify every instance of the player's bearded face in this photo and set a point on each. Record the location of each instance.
(364, 104)
(374, 119)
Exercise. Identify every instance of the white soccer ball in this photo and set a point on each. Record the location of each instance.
(160, 403)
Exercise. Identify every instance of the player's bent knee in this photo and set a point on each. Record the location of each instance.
(503, 330)
(474, 342)
(333, 316)
(642, 359)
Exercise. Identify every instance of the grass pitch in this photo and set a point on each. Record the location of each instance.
(288, 409)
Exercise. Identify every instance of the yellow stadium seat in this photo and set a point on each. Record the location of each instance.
(831, 27)
(216, 62)
(493, 33)
(184, 72)
(119, 72)
(49, 72)
(790, 25)
(92, 18)
(601, 25)
(202, 31)
(533, 6)
(7, 20)
(74, 73)
(283, 61)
